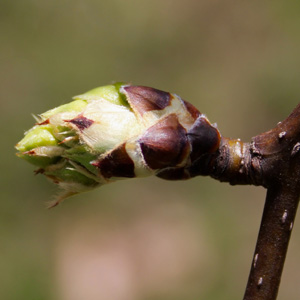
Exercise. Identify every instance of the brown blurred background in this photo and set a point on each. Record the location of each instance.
(149, 239)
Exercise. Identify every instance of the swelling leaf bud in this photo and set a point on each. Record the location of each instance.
(115, 132)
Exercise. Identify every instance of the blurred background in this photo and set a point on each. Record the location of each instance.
(148, 239)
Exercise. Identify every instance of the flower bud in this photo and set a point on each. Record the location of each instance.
(115, 132)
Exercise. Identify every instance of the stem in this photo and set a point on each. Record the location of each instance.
(272, 243)
(272, 160)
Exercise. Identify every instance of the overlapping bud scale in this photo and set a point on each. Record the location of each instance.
(116, 132)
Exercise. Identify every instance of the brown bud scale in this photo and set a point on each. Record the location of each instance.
(144, 99)
(116, 164)
(164, 144)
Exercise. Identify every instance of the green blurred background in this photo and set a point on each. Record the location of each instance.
(148, 239)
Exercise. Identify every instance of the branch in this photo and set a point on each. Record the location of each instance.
(272, 160)
(272, 243)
